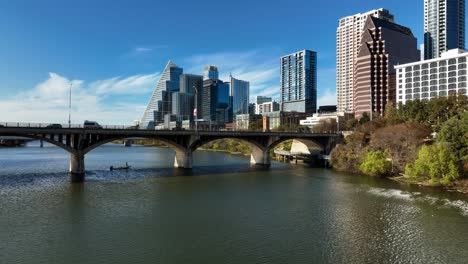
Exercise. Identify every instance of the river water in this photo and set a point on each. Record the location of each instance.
(223, 211)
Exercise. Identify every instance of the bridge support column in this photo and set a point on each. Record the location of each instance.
(183, 159)
(77, 167)
(260, 157)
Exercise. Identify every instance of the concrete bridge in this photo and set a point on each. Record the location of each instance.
(79, 141)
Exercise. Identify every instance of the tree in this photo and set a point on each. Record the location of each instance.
(375, 163)
(364, 118)
(455, 133)
(401, 141)
(325, 125)
(257, 125)
(391, 114)
(435, 163)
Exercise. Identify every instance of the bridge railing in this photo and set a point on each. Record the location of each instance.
(55, 125)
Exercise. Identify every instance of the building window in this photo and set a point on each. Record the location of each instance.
(462, 66)
(433, 88)
(408, 74)
(442, 69)
(462, 91)
(433, 94)
(452, 74)
(425, 89)
(424, 72)
(462, 78)
(416, 90)
(452, 61)
(416, 96)
(462, 59)
(443, 87)
(462, 72)
(442, 93)
(442, 81)
(452, 86)
(416, 67)
(442, 63)
(452, 68)
(452, 80)
(424, 66)
(408, 91)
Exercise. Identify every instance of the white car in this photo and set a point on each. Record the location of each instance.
(91, 125)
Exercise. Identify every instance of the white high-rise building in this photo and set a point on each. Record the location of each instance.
(444, 26)
(439, 77)
(348, 40)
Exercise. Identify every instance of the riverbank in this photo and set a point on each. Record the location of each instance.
(425, 141)
(460, 186)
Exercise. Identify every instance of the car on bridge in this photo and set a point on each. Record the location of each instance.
(91, 125)
(54, 126)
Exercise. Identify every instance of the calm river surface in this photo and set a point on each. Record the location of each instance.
(222, 211)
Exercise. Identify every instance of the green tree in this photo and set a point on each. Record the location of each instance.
(364, 118)
(455, 132)
(435, 163)
(375, 163)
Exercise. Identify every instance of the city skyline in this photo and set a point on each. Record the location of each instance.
(126, 83)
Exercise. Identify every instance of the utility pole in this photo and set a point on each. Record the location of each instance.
(195, 112)
(69, 105)
(370, 93)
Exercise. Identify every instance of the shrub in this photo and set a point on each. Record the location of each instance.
(435, 163)
(375, 163)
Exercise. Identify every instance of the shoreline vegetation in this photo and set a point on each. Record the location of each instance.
(423, 143)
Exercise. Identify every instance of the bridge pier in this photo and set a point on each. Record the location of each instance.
(260, 157)
(77, 167)
(183, 159)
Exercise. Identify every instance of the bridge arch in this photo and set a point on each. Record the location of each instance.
(45, 139)
(171, 144)
(309, 143)
(183, 157)
(258, 153)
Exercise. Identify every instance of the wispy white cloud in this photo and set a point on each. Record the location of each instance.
(48, 101)
(137, 84)
(142, 50)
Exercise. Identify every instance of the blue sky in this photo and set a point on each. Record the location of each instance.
(114, 50)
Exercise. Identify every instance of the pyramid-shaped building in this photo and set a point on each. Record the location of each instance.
(160, 102)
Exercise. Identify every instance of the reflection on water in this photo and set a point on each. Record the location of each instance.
(223, 211)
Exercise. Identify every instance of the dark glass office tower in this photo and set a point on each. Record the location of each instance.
(444, 26)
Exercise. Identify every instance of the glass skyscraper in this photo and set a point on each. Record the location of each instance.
(239, 92)
(211, 73)
(160, 102)
(215, 103)
(444, 26)
(299, 82)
